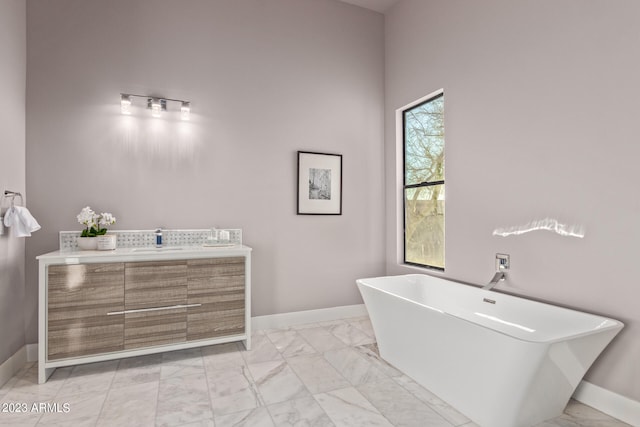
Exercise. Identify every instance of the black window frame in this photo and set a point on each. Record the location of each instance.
(405, 187)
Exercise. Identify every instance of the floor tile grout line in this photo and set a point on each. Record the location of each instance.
(299, 379)
(325, 412)
(388, 376)
(254, 385)
(15, 378)
(266, 407)
(363, 331)
(432, 406)
(242, 367)
(306, 340)
(363, 396)
(155, 417)
(55, 396)
(106, 397)
(206, 378)
(414, 395)
(351, 385)
(350, 325)
(297, 335)
(321, 355)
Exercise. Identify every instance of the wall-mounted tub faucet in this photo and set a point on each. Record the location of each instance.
(502, 263)
(498, 277)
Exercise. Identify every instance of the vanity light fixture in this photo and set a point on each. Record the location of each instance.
(155, 103)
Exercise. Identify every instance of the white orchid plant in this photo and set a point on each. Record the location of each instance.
(95, 224)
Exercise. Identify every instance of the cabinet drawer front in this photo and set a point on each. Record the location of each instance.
(213, 324)
(151, 328)
(221, 267)
(155, 284)
(217, 316)
(77, 290)
(212, 279)
(84, 338)
(78, 300)
(219, 286)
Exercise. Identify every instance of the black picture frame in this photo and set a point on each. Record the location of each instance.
(319, 183)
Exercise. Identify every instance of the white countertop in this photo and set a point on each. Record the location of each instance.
(143, 254)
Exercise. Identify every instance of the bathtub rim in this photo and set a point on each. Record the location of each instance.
(617, 325)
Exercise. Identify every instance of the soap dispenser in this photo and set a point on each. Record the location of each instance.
(158, 237)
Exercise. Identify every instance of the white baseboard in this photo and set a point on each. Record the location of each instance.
(285, 320)
(32, 352)
(13, 365)
(610, 403)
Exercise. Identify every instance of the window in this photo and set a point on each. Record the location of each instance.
(423, 139)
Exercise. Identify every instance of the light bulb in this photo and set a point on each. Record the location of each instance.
(125, 104)
(185, 110)
(156, 107)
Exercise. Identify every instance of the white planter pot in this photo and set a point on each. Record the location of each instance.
(88, 243)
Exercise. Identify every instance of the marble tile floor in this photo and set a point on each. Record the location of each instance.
(315, 375)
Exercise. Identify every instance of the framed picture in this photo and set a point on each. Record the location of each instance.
(319, 183)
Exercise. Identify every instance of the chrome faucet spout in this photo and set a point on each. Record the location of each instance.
(498, 277)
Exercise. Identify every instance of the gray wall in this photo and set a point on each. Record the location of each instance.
(541, 113)
(266, 78)
(13, 62)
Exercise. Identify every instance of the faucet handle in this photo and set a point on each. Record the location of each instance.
(502, 262)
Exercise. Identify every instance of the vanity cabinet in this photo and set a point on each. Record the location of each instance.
(93, 311)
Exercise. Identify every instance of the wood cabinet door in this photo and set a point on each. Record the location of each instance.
(152, 289)
(78, 300)
(218, 284)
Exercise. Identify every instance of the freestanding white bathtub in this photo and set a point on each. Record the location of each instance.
(501, 360)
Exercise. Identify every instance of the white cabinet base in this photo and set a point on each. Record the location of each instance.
(47, 368)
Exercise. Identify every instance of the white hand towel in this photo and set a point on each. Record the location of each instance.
(20, 221)
(27, 219)
(11, 220)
